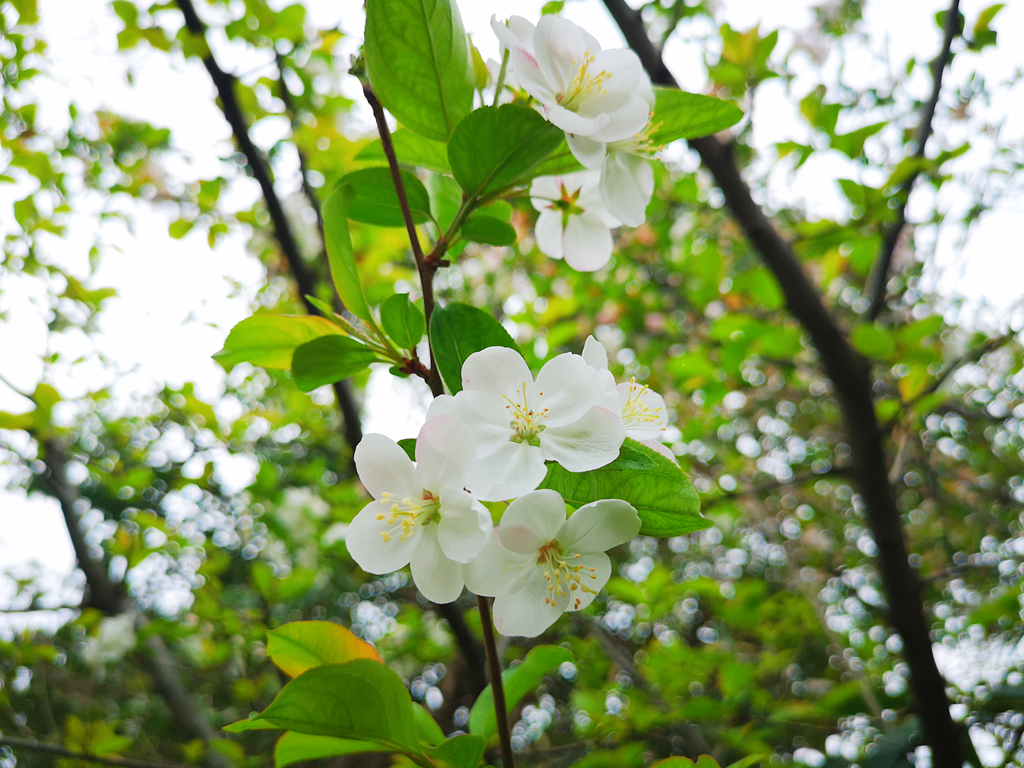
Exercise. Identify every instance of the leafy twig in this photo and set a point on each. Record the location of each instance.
(56, 749)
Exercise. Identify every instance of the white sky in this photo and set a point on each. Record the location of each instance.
(177, 299)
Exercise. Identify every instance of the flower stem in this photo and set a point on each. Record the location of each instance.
(497, 687)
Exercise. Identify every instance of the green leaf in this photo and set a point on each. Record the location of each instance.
(682, 115)
(403, 321)
(329, 359)
(427, 729)
(341, 255)
(178, 229)
(852, 144)
(518, 681)
(657, 488)
(410, 149)
(417, 58)
(704, 761)
(250, 724)
(456, 332)
(373, 199)
(270, 340)
(302, 645)
(461, 752)
(361, 699)
(295, 747)
(496, 147)
(872, 341)
(408, 444)
(28, 11)
(488, 230)
(15, 420)
(558, 162)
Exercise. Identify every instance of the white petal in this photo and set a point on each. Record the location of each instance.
(626, 121)
(588, 151)
(532, 521)
(443, 405)
(437, 577)
(623, 68)
(593, 579)
(567, 387)
(383, 467)
(499, 372)
(369, 549)
(445, 451)
(496, 570)
(506, 470)
(661, 448)
(549, 233)
(595, 354)
(599, 526)
(559, 46)
(588, 242)
(627, 183)
(590, 443)
(644, 414)
(524, 613)
(573, 122)
(543, 190)
(527, 71)
(464, 527)
(517, 34)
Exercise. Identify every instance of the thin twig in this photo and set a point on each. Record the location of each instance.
(56, 749)
(880, 271)
(497, 686)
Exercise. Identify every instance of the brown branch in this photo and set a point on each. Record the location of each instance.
(56, 749)
(508, 760)
(850, 376)
(304, 277)
(880, 270)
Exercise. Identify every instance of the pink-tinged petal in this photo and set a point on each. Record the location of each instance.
(594, 579)
(530, 610)
(644, 414)
(567, 387)
(499, 372)
(588, 242)
(445, 451)
(574, 123)
(588, 444)
(594, 354)
(505, 469)
(383, 467)
(527, 71)
(496, 570)
(532, 521)
(661, 448)
(464, 527)
(599, 526)
(549, 233)
(627, 184)
(437, 577)
(371, 551)
(623, 68)
(559, 47)
(588, 151)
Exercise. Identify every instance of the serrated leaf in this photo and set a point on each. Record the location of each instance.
(418, 62)
(456, 332)
(495, 147)
(518, 681)
(410, 149)
(295, 747)
(329, 359)
(461, 752)
(301, 645)
(655, 485)
(270, 340)
(361, 699)
(403, 321)
(682, 115)
(341, 255)
(372, 198)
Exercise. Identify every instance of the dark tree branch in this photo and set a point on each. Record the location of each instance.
(508, 760)
(850, 374)
(56, 749)
(880, 270)
(304, 277)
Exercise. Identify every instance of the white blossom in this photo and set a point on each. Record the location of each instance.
(421, 514)
(519, 422)
(539, 564)
(573, 223)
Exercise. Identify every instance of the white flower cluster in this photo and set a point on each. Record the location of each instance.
(603, 102)
(489, 443)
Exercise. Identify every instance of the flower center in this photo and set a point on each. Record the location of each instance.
(526, 426)
(583, 84)
(405, 514)
(564, 578)
(641, 144)
(636, 412)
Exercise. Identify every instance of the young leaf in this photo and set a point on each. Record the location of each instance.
(373, 199)
(456, 332)
(518, 681)
(361, 699)
(495, 147)
(417, 58)
(682, 115)
(427, 729)
(410, 149)
(403, 321)
(302, 645)
(408, 444)
(341, 255)
(250, 724)
(461, 752)
(329, 359)
(873, 341)
(657, 488)
(295, 747)
(488, 230)
(271, 340)
(445, 201)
